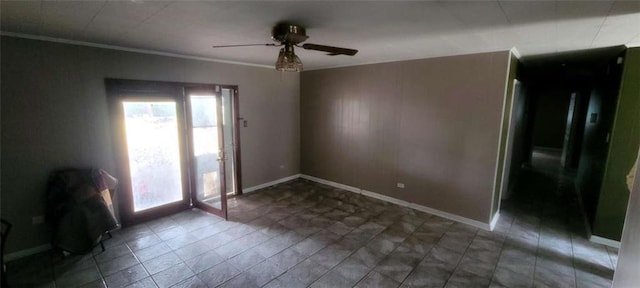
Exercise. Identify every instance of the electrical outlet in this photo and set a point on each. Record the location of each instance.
(400, 185)
(281, 166)
(37, 220)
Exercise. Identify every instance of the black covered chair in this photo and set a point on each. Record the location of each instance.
(79, 208)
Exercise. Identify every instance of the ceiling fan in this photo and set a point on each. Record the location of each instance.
(290, 35)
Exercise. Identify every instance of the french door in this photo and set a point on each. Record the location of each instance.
(171, 147)
(211, 163)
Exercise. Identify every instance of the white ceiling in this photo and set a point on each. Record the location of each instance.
(382, 31)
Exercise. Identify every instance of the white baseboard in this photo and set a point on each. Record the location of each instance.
(396, 201)
(26, 252)
(605, 241)
(274, 182)
(450, 216)
(385, 198)
(331, 183)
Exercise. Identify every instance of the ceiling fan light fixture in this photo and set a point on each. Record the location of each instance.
(289, 35)
(288, 61)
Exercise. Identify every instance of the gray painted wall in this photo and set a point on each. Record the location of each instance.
(613, 196)
(432, 124)
(54, 114)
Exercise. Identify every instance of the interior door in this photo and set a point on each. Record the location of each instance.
(206, 124)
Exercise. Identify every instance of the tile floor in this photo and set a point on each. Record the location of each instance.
(304, 234)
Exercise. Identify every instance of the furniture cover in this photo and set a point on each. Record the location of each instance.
(79, 208)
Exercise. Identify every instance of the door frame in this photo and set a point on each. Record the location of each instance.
(235, 103)
(117, 91)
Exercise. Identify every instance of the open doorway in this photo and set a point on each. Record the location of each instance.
(177, 147)
(563, 115)
(561, 122)
(213, 155)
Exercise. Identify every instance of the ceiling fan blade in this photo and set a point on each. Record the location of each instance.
(245, 45)
(332, 51)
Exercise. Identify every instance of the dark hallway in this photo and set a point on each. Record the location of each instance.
(563, 114)
(548, 231)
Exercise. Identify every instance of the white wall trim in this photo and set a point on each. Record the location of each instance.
(605, 241)
(515, 52)
(331, 183)
(497, 177)
(386, 198)
(128, 49)
(450, 216)
(26, 252)
(274, 182)
(494, 220)
(396, 201)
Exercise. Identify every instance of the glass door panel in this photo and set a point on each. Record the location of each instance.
(208, 160)
(153, 150)
(229, 137)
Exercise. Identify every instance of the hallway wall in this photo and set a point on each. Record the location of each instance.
(625, 139)
(593, 157)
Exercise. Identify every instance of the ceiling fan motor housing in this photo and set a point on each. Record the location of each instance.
(289, 34)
